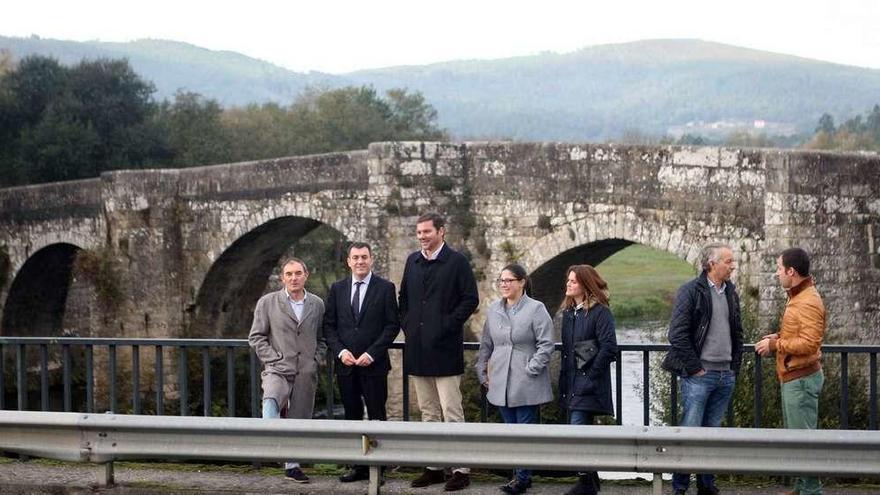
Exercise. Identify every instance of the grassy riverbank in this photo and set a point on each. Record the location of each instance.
(643, 281)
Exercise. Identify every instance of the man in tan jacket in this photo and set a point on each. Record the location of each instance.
(287, 337)
(797, 347)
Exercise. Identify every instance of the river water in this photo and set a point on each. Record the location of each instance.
(652, 332)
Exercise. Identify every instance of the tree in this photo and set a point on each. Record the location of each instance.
(826, 124)
(856, 133)
(6, 61)
(61, 123)
(193, 130)
(413, 118)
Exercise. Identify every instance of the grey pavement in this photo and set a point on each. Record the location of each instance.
(42, 477)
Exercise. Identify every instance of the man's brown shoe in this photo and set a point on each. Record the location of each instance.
(790, 492)
(428, 477)
(458, 481)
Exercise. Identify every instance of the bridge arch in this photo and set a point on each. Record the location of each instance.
(37, 296)
(592, 240)
(312, 207)
(240, 274)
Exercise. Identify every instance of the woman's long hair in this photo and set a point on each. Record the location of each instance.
(595, 287)
(519, 272)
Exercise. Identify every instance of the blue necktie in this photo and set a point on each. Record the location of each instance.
(356, 300)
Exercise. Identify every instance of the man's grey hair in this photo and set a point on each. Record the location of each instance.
(711, 252)
(292, 259)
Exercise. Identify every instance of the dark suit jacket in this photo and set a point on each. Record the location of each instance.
(373, 331)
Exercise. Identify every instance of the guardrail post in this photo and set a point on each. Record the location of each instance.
(375, 480)
(657, 484)
(105, 475)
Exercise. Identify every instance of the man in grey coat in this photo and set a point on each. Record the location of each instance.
(287, 337)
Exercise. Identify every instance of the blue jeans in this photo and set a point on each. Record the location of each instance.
(271, 411)
(704, 400)
(520, 415)
(576, 417)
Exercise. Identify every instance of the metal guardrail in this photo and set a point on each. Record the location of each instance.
(105, 438)
(230, 349)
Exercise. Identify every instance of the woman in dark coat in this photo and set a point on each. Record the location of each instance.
(589, 345)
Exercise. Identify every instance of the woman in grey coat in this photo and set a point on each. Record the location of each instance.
(514, 355)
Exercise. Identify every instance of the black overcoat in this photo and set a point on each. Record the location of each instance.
(588, 389)
(436, 298)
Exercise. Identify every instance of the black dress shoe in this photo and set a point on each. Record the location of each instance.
(457, 482)
(516, 487)
(355, 474)
(428, 477)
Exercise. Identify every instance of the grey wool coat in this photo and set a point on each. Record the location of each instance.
(287, 347)
(515, 351)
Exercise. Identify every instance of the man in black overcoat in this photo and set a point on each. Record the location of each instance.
(438, 294)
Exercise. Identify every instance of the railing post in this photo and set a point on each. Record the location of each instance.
(618, 383)
(255, 394)
(111, 371)
(328, 391)
(206, 381)
(405, 391)
(136, 379)
(646, 392)
(844, 391)
(182, 381)
(160, 383)
(90, 379)
(65, 365)
(2, 377)
(21, 376)
(44, 377)
(230, 381)
(759, 390)
(872, 391)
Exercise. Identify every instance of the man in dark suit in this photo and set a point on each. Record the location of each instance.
(360, 323)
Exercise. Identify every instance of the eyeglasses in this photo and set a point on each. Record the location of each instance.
(506, 281)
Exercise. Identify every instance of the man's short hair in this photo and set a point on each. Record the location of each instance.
(435, 218)
(798, 259)
(292, 259)
(710, 253)
(359, 245)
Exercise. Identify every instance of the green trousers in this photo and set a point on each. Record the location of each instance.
(800, 410)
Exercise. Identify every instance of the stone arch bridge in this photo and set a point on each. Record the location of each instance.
(187, 252)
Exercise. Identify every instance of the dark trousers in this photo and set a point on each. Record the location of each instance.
(359, 390)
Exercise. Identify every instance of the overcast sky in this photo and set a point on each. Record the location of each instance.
(336, 36)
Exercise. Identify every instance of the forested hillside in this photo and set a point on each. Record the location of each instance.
(596, 93)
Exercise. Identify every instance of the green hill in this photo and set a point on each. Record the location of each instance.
(595, 93)
(229, 77)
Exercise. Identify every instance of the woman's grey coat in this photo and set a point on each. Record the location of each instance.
(515, 352)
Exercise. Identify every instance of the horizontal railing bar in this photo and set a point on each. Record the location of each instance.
(126, 341)
(110, 437)
(637, 347)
